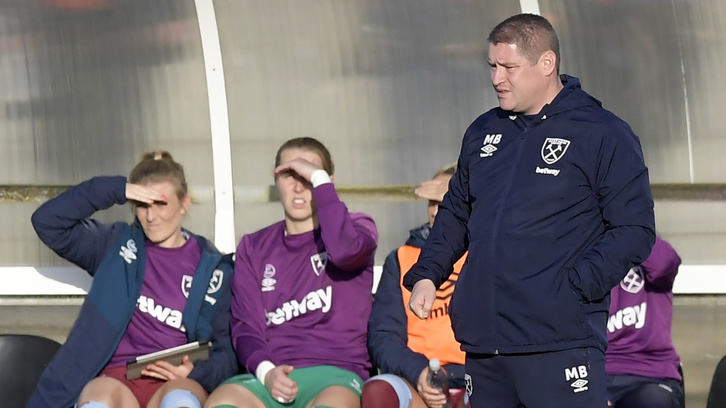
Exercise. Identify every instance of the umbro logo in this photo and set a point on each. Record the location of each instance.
(268, 283)
(488, 147)
(355, 384)
(487, 151)
(578, 373)
(579, 385)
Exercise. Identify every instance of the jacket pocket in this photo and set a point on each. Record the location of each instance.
(541, 310)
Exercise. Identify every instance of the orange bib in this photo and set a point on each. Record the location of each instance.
(432, 337)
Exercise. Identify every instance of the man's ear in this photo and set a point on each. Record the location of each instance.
(548, 63)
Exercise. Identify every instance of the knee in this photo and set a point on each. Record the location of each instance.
(104, 392)
(226, 396)
(382, 393)
(180, 399)
(649, 396)
(376, 393)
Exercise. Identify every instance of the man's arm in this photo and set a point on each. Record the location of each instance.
(622, 188)
(448, 240)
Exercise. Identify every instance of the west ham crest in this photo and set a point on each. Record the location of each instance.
(553, 149)
(216, 282)
(319, 261)
(186, 284)
(634, 281)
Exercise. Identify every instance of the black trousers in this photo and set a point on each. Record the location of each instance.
(562, 379)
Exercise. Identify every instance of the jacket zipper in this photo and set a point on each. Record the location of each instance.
(497, 219)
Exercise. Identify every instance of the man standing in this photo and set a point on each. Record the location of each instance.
(552, 200)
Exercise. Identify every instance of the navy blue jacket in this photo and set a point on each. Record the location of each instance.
(114, 254)
(554, 210)
(388, 324)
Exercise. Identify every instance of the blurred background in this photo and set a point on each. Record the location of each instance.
(87, 86)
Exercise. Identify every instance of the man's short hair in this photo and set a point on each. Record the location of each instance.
(532, 34)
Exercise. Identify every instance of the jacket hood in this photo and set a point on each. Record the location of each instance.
(571, 97)
(418, 236)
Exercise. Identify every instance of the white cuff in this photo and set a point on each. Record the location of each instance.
(262, 369)
(319, 177)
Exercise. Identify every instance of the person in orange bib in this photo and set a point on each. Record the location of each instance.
(401, 344)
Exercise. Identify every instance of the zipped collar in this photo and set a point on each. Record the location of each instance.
(570, 97)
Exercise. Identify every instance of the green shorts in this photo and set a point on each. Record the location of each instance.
(311, 381)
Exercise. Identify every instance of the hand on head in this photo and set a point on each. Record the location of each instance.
(299, 166)
(433, 190)
(143, 194)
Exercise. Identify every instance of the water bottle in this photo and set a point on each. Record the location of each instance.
(437, 378)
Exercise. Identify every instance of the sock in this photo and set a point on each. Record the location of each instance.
(94, 404)
(180, 399)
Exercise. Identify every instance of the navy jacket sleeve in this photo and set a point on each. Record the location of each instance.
(388, 327)
(222, 362)
(63, 223)
(622, 188)
(449, 239)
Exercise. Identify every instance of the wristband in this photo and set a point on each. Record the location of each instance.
(319, 177)
(262, 369)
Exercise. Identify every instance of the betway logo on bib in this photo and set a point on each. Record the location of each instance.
(629, 316)
(163, 314)
(317, 299)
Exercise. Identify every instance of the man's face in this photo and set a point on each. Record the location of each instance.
(518, 83)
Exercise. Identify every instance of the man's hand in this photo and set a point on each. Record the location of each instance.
(422, 298)
(166, 371)
(280, 386)
(433, 397)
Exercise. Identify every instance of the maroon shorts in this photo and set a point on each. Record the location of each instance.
(143, 388)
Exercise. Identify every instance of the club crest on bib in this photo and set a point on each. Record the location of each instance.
(634, 281)
(186, 284)
(553, 149)
(319, 261)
